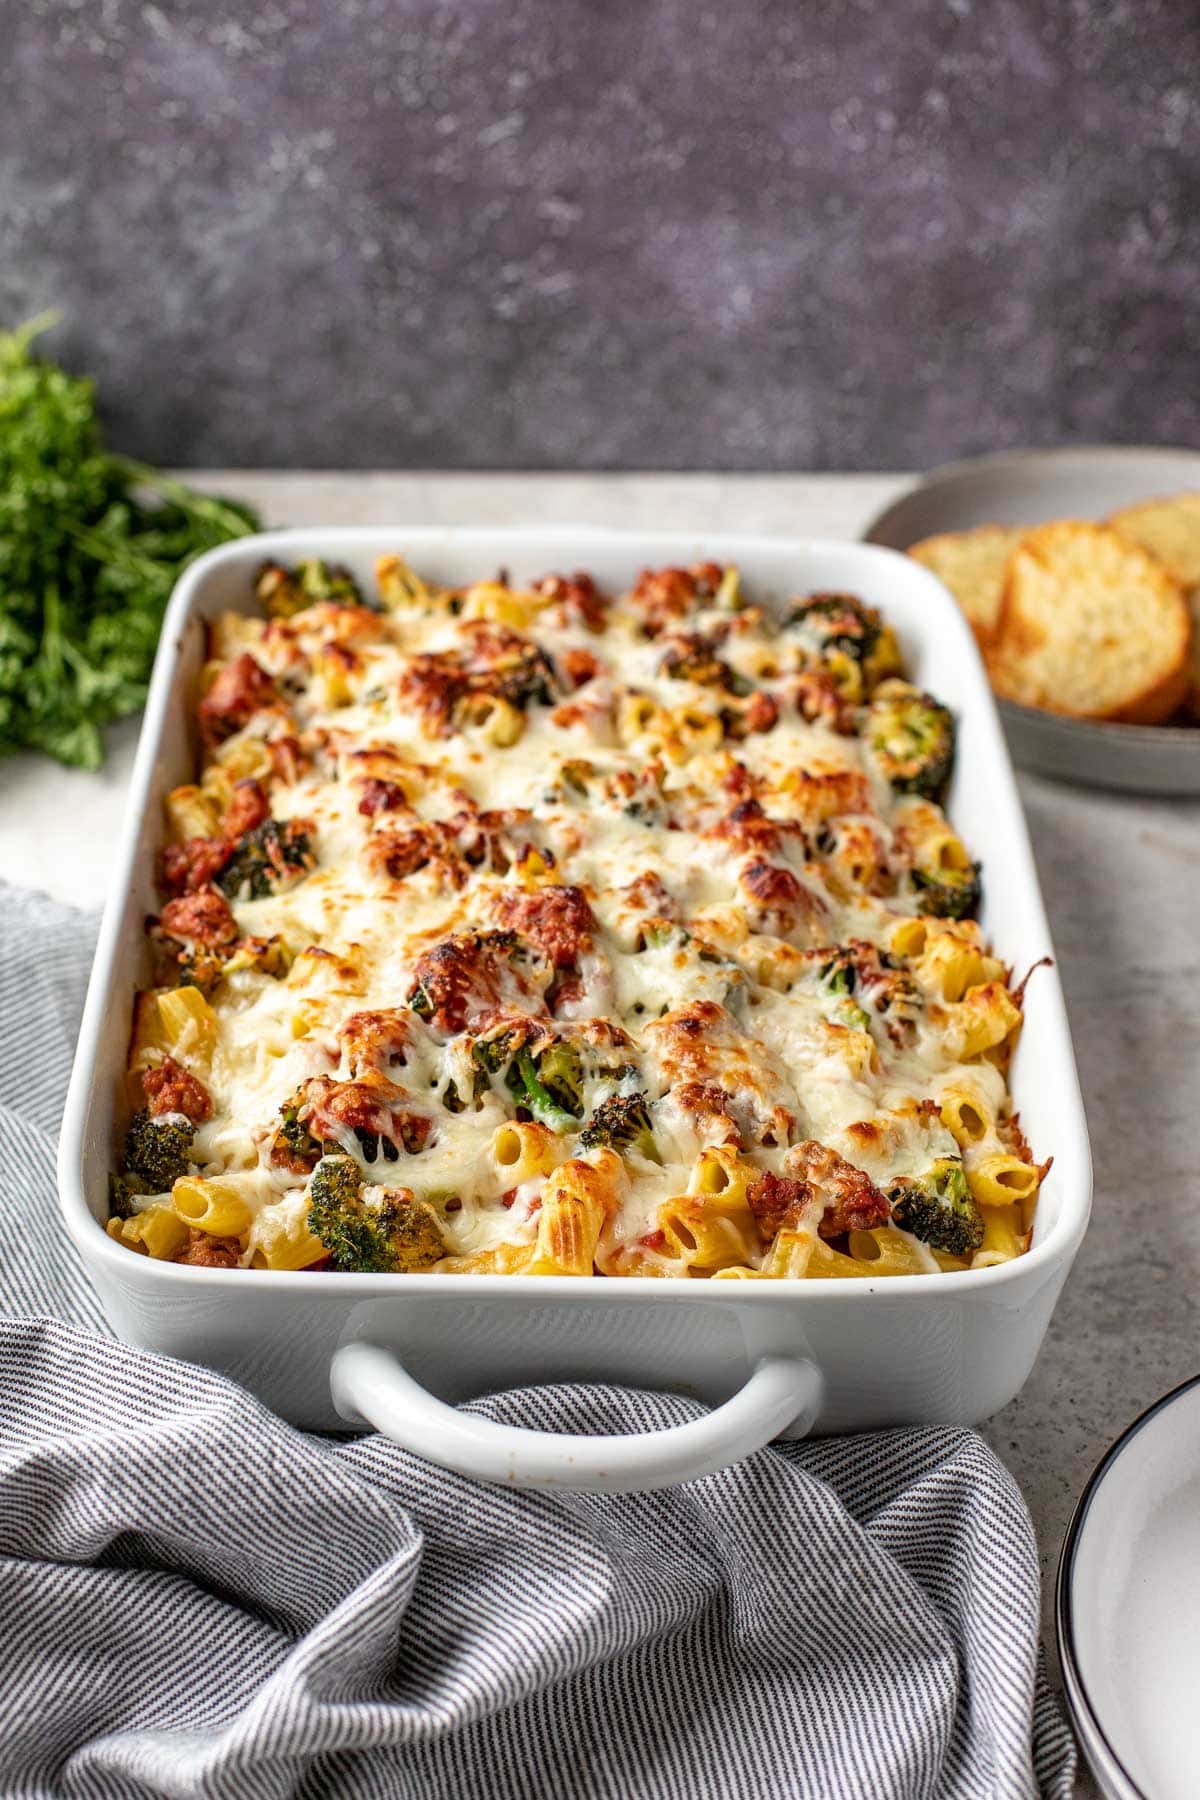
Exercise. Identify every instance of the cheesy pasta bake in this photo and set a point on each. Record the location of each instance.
(537, 930)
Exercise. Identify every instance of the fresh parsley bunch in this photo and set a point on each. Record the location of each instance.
(91, 545)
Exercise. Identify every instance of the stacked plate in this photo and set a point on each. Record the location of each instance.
(1128, 1607)
(1027, 488)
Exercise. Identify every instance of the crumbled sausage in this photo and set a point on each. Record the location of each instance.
(851, 1200)
(371, 1039)
(204, 1251)
(200, 918)
(575, 599)
(247, 809)
(663, 595)
(558, 920)
(372, 1106)
(378, 796)
(475, 972)
(748, 829)
(780, 904)
(170, 1089)
(240, 690)
(580, 667)
(191, 866)
(777, 1202)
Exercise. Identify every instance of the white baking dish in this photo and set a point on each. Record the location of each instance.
(773, 1357)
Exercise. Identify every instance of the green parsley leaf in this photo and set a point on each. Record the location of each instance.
(91, 546)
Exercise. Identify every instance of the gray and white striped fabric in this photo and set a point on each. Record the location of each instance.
(198, 1600)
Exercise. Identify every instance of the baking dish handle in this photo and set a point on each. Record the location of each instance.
(370, 1386)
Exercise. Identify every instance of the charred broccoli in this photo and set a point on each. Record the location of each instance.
(693, 657)
(550, 1084)
(120, 1192)
(266, 955)
(657, 933)
(397, 1236)
(622, 1122)
(284, 592)
(268, 859)
(849, 639)
(545, 1077)
(910, 735)
(157, 1151)
(492, 1055)
(293, 1138)
(197, 966)
(839, 977)
(938, 1208)
(949, 893)
(576, 773)
(523, 675)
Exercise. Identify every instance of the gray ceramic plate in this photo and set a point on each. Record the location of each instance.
(1028, 487)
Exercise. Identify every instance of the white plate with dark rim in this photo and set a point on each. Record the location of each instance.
(1128, 1607)
(1027, 487)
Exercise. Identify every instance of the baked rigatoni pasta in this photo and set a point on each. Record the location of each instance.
(542, 931)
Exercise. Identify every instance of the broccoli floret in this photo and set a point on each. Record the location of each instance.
(576, 773)
(622, 1122)
(522, 674)
(547, 1079)
(910, 735)
(840, 978)
(550, 1084)
(656, 934)
(492, 1055)
(453, 1101)
(285, 592)
(524, 677)
(846, 638)
(949, 893)
(269, 956)
(295, 1135)
(157, 1151)
(120, 1193)
(694, 658)
(411, 1135)
(939, 1208)
(399, 1236)
(836, 622)
(298, 1144)
(198, 967)
(268, 859)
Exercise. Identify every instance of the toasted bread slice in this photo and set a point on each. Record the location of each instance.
(972, 564)
(1170, 530)
(1091, 625)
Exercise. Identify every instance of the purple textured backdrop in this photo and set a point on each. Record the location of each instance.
(571, 233)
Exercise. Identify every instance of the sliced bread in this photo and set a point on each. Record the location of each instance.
(1091, 625)
(1170, 530)
(972, 564)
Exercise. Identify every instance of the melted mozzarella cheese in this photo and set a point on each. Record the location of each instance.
(638, 818)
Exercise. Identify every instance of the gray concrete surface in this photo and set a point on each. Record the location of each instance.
(1121, 879)
(637, 233)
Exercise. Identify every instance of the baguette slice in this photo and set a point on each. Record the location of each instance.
(972, 564)
(1091, 625)
(1170, 530)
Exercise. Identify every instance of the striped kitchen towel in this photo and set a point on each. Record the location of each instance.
(199, 1600)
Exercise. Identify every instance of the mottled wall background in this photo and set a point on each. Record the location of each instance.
(592, 233)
